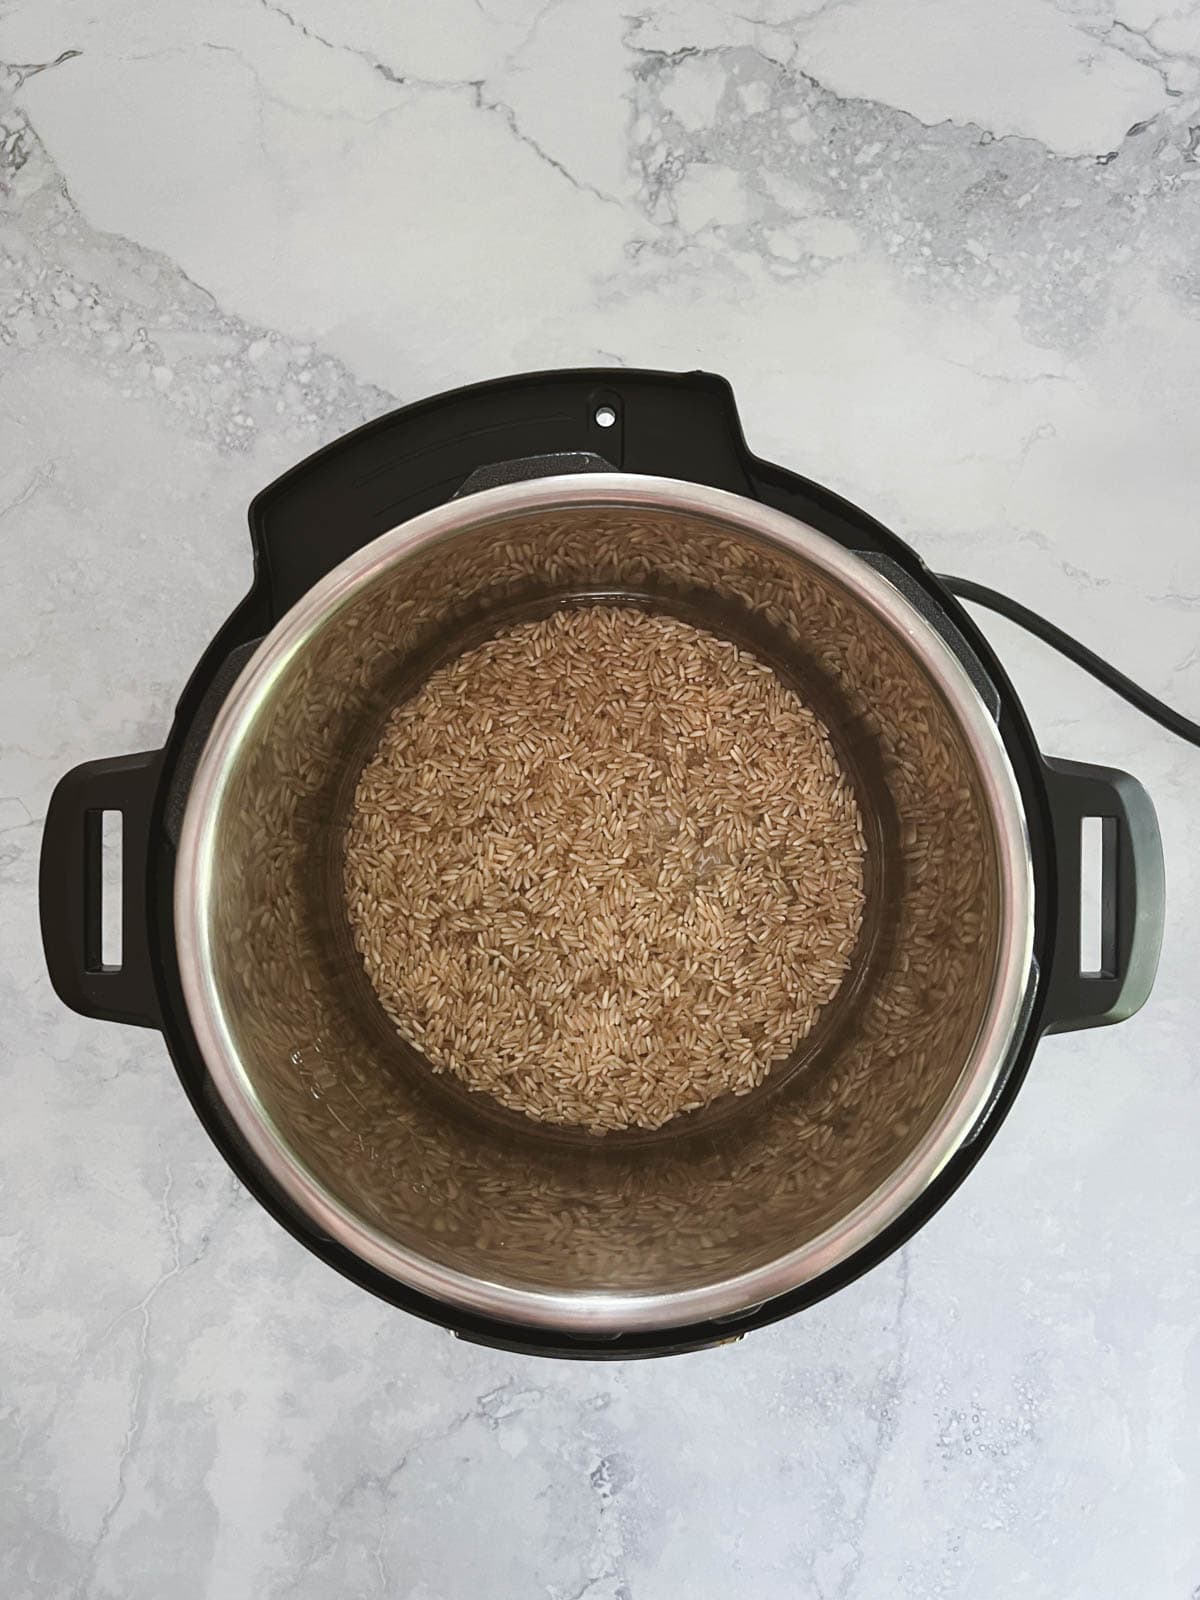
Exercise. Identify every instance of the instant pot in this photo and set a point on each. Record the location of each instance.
(381, 557)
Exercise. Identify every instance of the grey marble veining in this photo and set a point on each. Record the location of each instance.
(946, 250)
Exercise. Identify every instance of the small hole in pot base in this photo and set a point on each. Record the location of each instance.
(605, 416)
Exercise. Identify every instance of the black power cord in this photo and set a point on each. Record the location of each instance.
(1174, 721)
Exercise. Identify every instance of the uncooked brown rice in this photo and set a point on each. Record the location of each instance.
(606, 867)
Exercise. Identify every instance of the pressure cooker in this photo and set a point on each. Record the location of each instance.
(381, 556)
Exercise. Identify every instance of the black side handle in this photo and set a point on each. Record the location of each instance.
(1132, 899)
(69, 889)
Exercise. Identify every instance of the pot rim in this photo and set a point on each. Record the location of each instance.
(587, 1312)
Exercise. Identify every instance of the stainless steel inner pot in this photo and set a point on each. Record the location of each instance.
(716, 1212)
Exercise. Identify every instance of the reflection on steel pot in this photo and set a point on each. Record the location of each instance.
(382, 558)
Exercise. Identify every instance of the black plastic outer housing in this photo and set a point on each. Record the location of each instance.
(674, 425)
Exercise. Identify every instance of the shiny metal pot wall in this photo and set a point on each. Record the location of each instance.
(531, 1225)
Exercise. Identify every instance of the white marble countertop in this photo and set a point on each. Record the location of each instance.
(948, 252)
